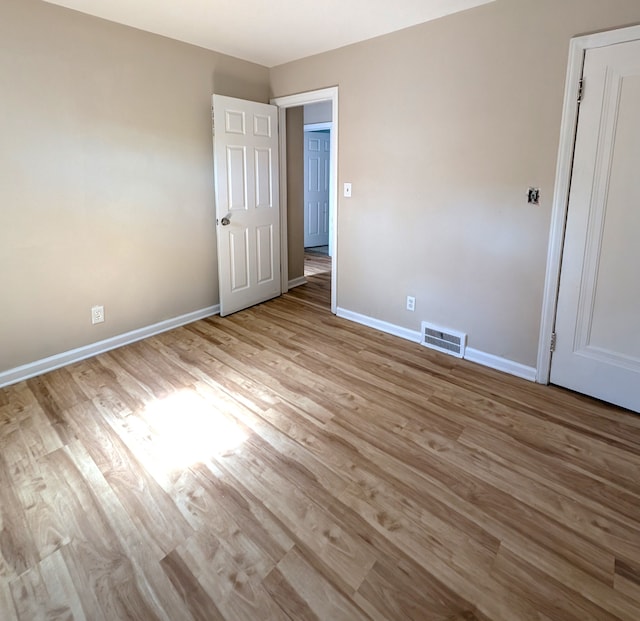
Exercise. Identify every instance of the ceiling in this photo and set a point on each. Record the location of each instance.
(270, 32)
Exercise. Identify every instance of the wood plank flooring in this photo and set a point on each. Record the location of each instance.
(282, 463)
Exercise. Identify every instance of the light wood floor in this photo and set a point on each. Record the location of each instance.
(282, 463)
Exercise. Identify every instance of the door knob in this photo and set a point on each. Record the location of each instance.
(225, 221)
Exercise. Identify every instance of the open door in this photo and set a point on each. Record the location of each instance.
(247, 202)
(598, 341)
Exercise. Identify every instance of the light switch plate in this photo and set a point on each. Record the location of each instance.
(347, 190)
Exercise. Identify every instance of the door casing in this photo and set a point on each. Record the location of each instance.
(292, 101)
(577, 49)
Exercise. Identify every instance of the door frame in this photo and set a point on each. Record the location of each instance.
(293, 101)
(564, 167)
(318, 127)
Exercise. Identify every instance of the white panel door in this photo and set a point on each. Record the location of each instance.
(597, 320)
(317, 147)
(247, 202)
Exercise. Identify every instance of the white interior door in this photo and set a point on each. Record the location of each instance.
(247, 202)
(598, 334)
(317, 148)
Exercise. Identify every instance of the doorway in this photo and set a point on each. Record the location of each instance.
(328, 96)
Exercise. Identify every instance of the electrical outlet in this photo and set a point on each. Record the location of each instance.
(97, 314)
(411, 303)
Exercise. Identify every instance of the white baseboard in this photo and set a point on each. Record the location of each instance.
(296, 282)
(383, 326)
(18, 374)
(472, 355)
(500, 364)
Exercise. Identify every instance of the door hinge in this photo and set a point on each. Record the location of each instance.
(581, 90)
(553, 342)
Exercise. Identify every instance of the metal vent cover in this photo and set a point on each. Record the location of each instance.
(444, 340)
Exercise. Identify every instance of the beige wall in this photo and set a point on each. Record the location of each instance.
(318, 112)
(106, 190)
(443, 127)
(106, 193)
(295, 192)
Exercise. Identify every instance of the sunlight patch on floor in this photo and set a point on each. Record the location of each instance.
(190, 430)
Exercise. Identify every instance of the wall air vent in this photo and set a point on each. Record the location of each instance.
(443, 339)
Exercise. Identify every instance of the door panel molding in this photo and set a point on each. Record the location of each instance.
(597, 210)
(577, 50)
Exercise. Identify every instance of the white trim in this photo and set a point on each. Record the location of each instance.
(296, 282)
(318, 127)
(577, 50)
(383, 326)
(292, 101)
(500, 364)
(282, 164)
(18, 374)
(308, 97)
(472, 355)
